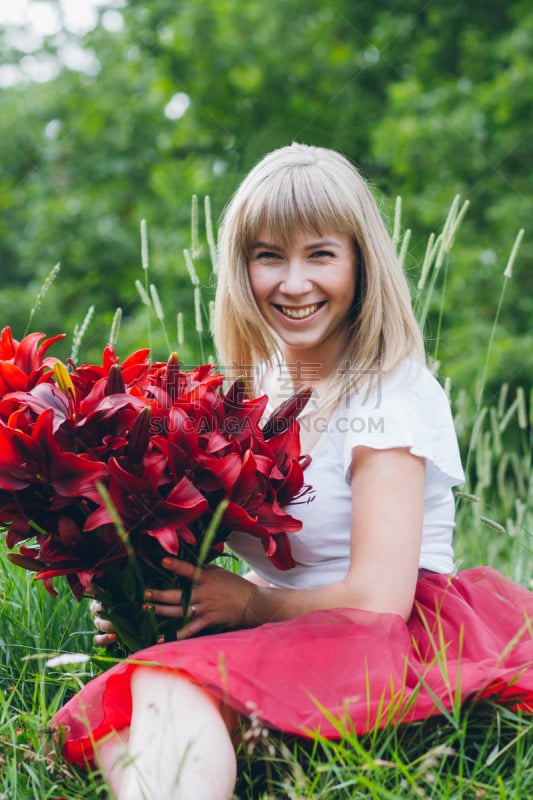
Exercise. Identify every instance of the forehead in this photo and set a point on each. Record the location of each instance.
(302, 239)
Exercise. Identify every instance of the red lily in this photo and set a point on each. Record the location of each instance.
(242, 416)
(22, 364)
(72, 554)
(37, 459)
(134, 369)
(143, 506)
(167, 444)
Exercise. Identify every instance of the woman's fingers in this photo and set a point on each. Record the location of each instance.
(218, 598)
(106, 634)
(196, 622)
(104, 639)
(169, 597)
(164, 610)
(103, 625)
(169, 602)
(182, 568)
(95, 607)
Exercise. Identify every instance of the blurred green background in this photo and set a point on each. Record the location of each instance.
(120, 111)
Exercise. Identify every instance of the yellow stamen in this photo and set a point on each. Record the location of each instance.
(64, 381)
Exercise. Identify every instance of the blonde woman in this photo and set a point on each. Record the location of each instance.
(372, 623)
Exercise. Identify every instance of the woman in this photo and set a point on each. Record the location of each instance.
(372, 623)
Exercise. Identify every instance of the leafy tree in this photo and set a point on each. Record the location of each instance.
(460, 122)
(429, 101)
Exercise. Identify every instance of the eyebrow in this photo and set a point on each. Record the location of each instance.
(311, 246)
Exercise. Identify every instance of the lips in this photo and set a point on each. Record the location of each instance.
(299, 312)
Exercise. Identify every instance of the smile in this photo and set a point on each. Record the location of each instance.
(299, 313)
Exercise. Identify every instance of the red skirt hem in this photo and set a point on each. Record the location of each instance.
(469, 636)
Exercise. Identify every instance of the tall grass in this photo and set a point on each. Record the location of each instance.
(479, 751)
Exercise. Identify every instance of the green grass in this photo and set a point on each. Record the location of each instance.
(483, 753)
(479, 752)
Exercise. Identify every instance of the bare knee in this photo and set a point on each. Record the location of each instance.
(178, 746)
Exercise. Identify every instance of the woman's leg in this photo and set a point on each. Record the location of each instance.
(179, 747)
(111, 756)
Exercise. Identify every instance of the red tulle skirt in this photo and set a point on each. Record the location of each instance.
(469, 636)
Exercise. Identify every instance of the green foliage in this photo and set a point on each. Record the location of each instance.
(458, 122)
(429, 101)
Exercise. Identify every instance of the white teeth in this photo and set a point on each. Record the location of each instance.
(299, 313)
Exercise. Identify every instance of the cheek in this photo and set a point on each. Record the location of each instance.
(258, 284)
(345, 285)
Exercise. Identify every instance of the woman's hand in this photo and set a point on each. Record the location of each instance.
(218, 598)
(107, 634)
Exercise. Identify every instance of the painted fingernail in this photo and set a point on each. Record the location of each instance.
(148, 594)
(148, 607)
(167, 562)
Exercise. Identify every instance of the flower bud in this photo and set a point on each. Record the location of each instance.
(282, 416)
(139, 436)
(115, 381)
(173, 373)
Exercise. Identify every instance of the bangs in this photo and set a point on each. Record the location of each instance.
(295, 200)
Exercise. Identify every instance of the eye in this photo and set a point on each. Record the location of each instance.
(322, 254)
(266, 255)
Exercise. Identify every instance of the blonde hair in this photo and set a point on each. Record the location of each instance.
(313, 189)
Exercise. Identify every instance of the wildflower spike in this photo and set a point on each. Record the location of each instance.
(181, 334)
(144, 245)
(508, 272)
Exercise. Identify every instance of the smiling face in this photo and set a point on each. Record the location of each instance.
(304, 290)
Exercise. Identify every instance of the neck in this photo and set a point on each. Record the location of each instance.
(309, 368)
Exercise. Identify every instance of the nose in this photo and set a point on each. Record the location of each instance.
(295, 280)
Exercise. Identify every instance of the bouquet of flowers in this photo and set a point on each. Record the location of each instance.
(105, 469)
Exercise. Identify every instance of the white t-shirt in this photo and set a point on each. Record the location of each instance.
(406, 409)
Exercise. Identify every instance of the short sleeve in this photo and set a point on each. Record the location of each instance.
(407, 409)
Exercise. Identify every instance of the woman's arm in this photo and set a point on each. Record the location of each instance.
(388, 497)
(387, 516)
(256, 579)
